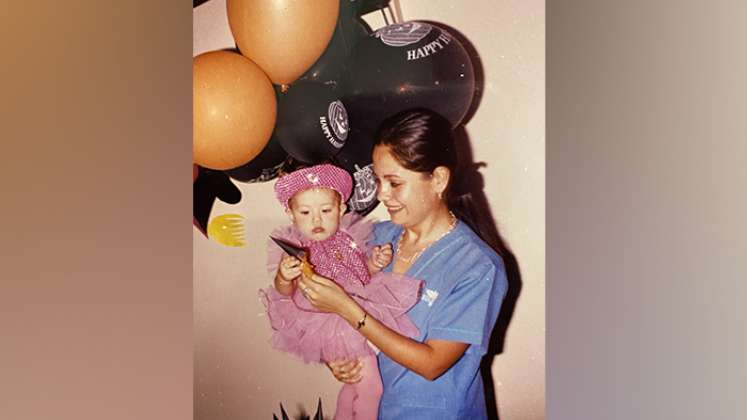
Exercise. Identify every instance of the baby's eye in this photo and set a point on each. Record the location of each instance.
(326, 210)
(304, 212)
(396, 184)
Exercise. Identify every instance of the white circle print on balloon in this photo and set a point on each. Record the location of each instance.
(334, 126)
(403, 34)
(338, 120)
(364, 192)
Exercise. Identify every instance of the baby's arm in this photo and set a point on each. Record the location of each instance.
(288, 272)
(381, 256)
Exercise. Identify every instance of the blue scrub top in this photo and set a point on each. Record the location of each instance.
(465, 283)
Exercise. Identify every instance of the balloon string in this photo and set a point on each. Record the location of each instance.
(391, 12)
(398, 9)
(386, 20)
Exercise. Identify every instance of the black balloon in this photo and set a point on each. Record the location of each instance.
(355, 157)
(264, 167)
(312, 122)
(336, 57)
(209, 185)
(408, 65)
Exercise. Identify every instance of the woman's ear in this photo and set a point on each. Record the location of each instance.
(440, 179)
(343, 207)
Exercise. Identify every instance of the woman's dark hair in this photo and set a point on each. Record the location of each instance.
(422, 140)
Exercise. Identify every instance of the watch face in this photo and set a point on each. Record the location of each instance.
(362, 322)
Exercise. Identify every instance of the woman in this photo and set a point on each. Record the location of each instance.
(436, 375)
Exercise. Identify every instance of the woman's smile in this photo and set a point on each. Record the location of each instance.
(393, 209)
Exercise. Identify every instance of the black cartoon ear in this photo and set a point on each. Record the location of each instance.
(209, 185)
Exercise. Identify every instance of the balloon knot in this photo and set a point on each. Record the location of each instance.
(284, 88)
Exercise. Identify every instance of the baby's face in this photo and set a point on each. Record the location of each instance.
(316, 212)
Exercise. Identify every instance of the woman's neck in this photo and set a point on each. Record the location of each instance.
(432, 227)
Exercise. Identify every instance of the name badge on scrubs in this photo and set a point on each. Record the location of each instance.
(429, 296)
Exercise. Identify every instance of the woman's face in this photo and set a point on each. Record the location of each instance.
(409, 196)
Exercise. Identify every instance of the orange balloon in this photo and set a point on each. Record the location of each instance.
(233, 110)
(284, 37)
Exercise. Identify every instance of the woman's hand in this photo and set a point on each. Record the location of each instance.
(346, 371)
(327, 296)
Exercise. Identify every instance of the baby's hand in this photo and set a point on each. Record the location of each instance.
(290, 268)
(381, 256)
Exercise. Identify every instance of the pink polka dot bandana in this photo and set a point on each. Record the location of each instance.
(319, 176)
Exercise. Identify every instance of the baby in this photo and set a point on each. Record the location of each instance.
(336, 245)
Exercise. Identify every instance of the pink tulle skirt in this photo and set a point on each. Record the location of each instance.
(316, 336)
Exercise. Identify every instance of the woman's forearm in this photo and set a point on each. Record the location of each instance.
(429, 359)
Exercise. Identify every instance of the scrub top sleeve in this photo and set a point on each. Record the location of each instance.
(382, 232)
(462, 315)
